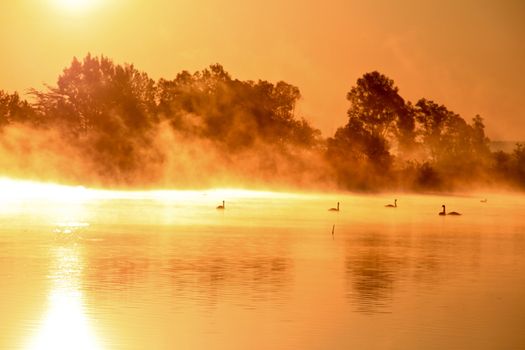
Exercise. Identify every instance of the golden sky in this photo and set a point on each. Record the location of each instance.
(468, 55)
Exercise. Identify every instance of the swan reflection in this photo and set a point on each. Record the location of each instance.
(65, 324)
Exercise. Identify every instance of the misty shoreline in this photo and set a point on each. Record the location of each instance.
(111, 126)
(31, 188)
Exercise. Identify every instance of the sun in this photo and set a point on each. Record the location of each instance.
(76, 5)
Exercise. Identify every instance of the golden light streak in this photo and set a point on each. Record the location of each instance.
(15, 189)
(12, 189)
(65, 325)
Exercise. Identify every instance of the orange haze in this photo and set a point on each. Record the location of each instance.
(468, 55)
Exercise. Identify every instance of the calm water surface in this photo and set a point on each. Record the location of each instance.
(169, 271)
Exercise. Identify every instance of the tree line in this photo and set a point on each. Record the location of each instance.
(114, 117)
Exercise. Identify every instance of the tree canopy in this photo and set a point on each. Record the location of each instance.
(121, 127)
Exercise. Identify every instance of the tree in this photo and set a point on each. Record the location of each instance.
(518, 156)
(480, 142)
(359, 158)
(447, 136)
(15, 110)
(376, 102)
(97, 94)
(105, 109)
(234, 113)
(438, 128)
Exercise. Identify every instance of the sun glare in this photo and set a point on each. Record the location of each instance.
(66, 324)
(13, 190)
(17, 189)
(76, 5)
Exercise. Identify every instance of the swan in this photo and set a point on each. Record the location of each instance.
(483, 200)
(334, 209)
(444, 212)
(221, 206)
(392, 206)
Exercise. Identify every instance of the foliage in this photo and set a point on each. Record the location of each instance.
(433, 147)
(114, 115)
(235, 113)
(123, 123)
(15, 110)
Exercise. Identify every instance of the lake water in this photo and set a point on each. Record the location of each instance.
(166, 270)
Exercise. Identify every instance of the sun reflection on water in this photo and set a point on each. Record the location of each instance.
(65, 324)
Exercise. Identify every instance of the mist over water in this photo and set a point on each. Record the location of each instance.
(111, 125)
(198, 210)
(135, 270)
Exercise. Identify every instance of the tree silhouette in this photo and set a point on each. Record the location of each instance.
(376, 102)
(116, 118)
(97, 94)
(105, 109)
(358, 156)
(15, 110)
(234, 113)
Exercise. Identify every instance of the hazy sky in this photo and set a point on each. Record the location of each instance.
(468, 55)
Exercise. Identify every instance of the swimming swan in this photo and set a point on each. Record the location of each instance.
(392, 206)
(221, 206)
(334, 209)
(444, 212)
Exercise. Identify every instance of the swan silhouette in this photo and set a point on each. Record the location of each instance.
(221, 206)
(334, 209)
(444, 212)
(483, 200)
(392, 206)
